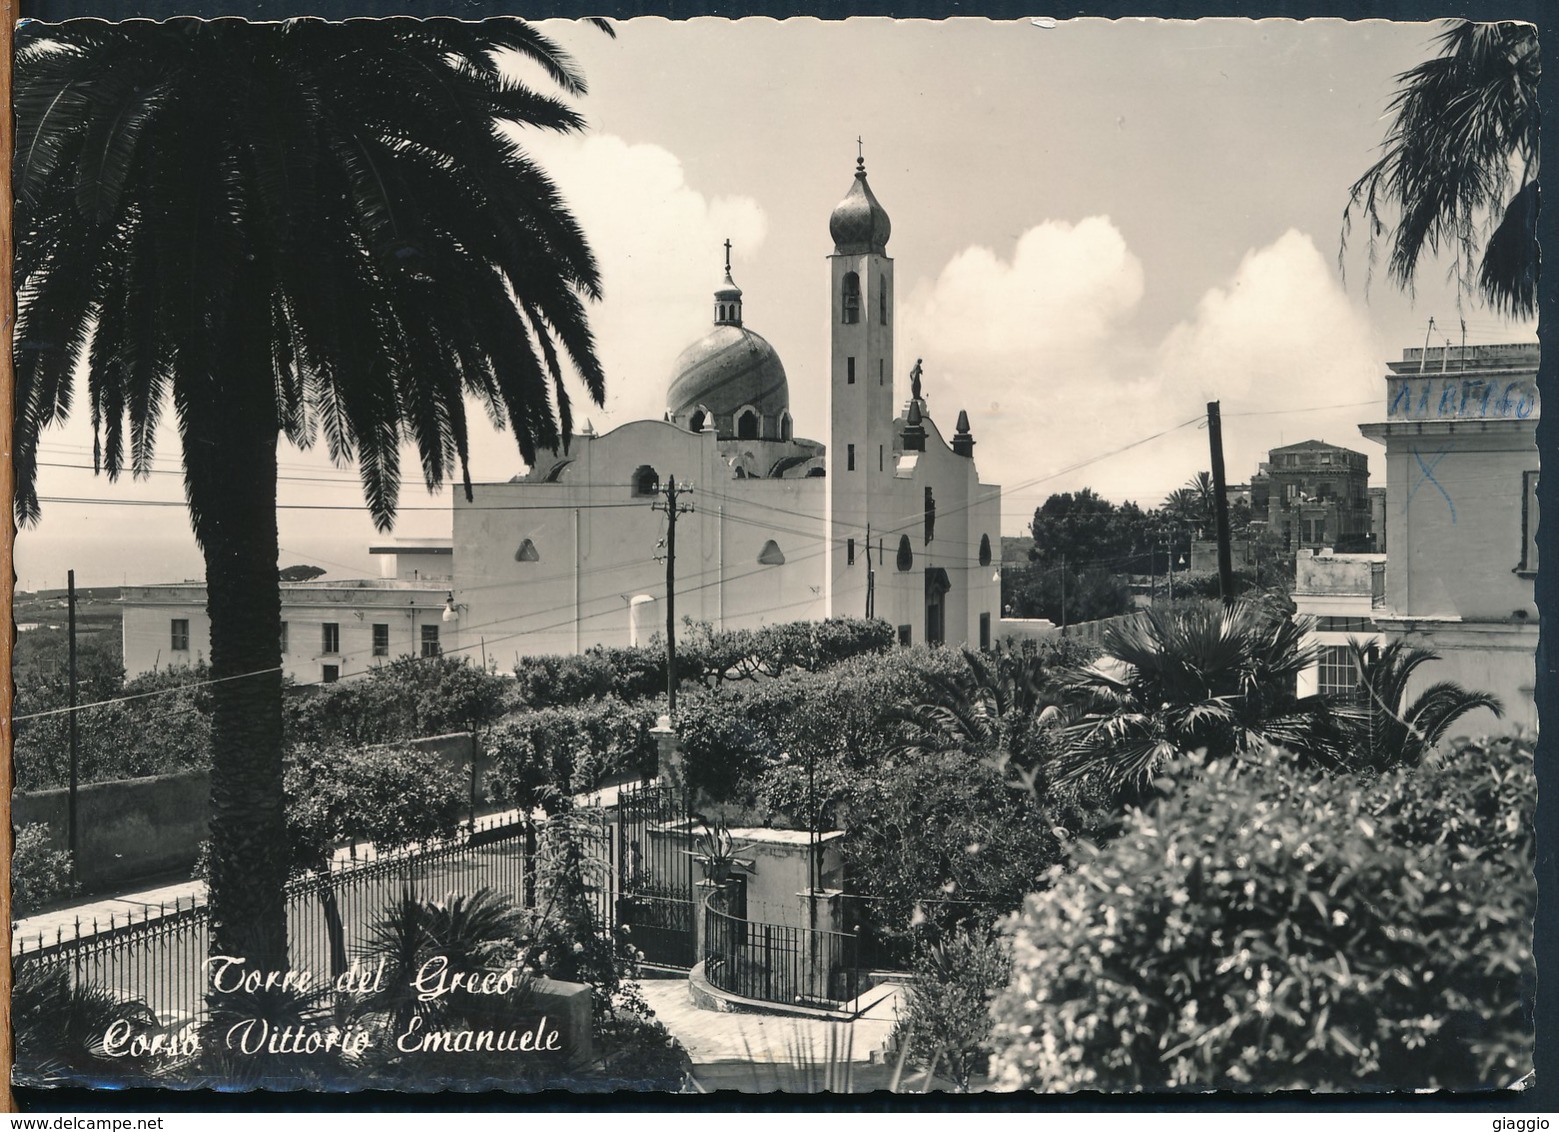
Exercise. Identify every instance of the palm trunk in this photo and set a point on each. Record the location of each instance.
(230, 459)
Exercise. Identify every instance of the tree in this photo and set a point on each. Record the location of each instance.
(1387, 732)
(300, 573)
(295, 230)
(1214, 678)
(1460, 165)
(1087, 531)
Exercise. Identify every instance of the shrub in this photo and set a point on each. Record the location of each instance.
(406, 699)
(1272, 927)
(946, 1019)
(40, 875)
(571, 749)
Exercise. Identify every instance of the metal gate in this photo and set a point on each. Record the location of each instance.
(655, 873)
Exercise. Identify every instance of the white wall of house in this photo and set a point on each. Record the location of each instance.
(332, 629)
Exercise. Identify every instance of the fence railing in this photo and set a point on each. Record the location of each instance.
(780, 963)
(160, 958)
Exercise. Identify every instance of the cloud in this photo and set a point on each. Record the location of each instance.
(658, 241)
(1042, 349)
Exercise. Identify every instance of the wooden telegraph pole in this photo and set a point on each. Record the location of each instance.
(75, 744)
(1220, 504)
(672, 508)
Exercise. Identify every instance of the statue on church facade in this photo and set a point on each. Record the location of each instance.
(914, 381)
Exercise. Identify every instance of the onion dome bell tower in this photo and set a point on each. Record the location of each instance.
(860, 443)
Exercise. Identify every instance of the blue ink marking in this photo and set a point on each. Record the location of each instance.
(1447, 406)
(1423, 401)
(1427, 476)
(1404, 393)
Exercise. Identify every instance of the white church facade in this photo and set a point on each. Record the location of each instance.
(887, 519)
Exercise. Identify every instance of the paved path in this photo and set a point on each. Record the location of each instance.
(767, 1053)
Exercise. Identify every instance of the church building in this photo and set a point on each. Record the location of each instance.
(887, 519)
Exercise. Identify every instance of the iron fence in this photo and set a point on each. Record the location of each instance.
(160, 957)
(780, 963)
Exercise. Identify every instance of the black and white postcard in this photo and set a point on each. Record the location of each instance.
(780, 556)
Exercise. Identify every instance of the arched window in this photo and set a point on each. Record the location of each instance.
(985, 550)
(747, 425)
(771, 555)
(696, 423)
(850, 299)
(527, 552)
(786, 428)
(646, 480)
(882, 303)
(906, 558)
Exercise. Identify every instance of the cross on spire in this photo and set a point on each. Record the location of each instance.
(860, 153)
(728, 257)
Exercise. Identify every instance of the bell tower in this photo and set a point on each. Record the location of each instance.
(860, 440)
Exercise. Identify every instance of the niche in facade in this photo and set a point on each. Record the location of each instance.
(906, 558)
(985, 550)
(527, 552)
(771, 554)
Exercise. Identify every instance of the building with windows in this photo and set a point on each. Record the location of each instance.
(887, 518)
(1460, 433)
(1313, 495)
(329, 629)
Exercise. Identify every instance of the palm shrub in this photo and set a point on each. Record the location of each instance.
(60, 1027)
(1214, 677)
(1272, 926)
(1387, 731)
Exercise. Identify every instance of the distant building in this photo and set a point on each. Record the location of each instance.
(1314, 495)
(1460, 433)
(329, 630)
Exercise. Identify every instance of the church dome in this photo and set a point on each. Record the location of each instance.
(858, 223)
(726, 371)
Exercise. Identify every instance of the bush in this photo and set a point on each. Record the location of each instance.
(1268, 927)
(39, 875)
(408, 698)
(946, 1020)
(571, 749)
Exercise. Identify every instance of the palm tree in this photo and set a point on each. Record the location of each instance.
(295, 230)
(1215, 678)
(1460, 165)
(1385, 730)
(986, 710)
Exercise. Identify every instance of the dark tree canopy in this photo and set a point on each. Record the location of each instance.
(1459, 166)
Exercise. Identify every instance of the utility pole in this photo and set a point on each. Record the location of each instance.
(1220, 504)
(1063, 595)
(672, 508)
(75, 747)
(871, 579)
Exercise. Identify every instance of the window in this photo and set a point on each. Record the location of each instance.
(930, 516)
(381, 640)
(329, 673)
(906, 556)
(1528, 523)
(787, 427)
(1344, 625)
(849, 371)
(180, 634)
(849, 552)
(880, 377)
(985, 550)
(985, 631)
(696, 421)
(849, 457)
(1337, 675)
(771, 554)
(330, 638)
(747, 425)
(646, 480)
(882, 303)
(283, 636)
(904, 634)
(430, 645)
(850, 299)
(879, 457)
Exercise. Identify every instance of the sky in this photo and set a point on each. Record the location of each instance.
(1098, 227)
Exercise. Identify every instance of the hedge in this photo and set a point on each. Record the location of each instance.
(572, 750)
(1267, 927)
